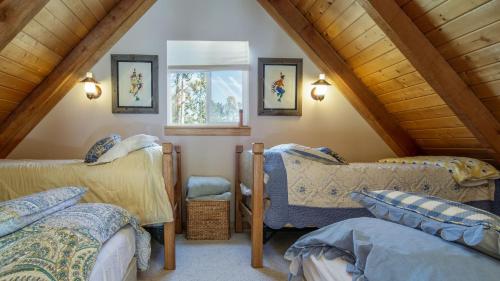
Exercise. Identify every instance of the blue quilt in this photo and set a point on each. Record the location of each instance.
(282, 212)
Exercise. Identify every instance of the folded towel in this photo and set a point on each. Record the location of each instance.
(205, 186)
(223, 196)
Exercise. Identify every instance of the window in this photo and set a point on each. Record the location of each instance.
(207, 82)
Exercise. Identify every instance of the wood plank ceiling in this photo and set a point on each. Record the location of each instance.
(43, 42)
(51, 53)
(466, 33)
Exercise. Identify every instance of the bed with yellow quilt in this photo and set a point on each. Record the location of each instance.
(144, 183)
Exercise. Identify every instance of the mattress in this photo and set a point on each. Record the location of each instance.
(134, 182)
(322, 269)
(115, 256)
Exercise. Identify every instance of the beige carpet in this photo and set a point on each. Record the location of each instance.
(221, 260)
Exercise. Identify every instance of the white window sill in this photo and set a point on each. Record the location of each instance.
(207, 131)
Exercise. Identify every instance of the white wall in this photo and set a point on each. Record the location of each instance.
(76, 122)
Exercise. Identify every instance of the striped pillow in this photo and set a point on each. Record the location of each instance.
(450, 220)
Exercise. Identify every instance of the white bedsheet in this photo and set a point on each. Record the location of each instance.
(115, 256)
(316, 269)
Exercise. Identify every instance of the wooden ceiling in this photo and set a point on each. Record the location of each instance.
(425, 74)
(48, 37)
(421, 94)
(46, 46)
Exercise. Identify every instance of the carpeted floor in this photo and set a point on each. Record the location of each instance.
(221, 260)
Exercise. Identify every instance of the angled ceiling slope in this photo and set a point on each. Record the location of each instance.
(46, 46)
(432, 65)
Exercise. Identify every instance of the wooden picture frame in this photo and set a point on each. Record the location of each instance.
(134, 80)
(280, 86)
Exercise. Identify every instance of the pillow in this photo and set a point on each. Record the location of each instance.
(306, 152)
(17, 213)
(205, 186)
(334, 154)
(100, 147)
(450, 220)
(126, 146)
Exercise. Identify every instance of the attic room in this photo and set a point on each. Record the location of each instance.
(249, 140)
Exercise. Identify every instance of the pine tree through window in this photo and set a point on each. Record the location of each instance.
(206, 97)
(207, 82)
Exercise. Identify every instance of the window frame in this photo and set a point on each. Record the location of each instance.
(245, 69)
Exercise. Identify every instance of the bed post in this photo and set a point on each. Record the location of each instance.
(178, 191)
(238, 220)
(169, 227)
(258, 205)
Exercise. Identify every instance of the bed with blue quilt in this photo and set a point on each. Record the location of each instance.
(310, 187)
(50, 236)
(413, 237)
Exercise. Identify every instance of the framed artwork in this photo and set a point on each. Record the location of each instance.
(135, 83)
(280, 87)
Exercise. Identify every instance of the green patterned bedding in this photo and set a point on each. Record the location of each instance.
(65, 244)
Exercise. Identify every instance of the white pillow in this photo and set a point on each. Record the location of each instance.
(126, 146)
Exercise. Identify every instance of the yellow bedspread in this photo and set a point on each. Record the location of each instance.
(134, 182)
(464, 170)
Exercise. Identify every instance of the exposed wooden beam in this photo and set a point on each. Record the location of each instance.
(326, 58)
(14, 15)
(436, 71)
(69, 71)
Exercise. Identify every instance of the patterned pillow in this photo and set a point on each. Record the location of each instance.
(100, 147)
(450, 220)
(17, 213)
(334, 154)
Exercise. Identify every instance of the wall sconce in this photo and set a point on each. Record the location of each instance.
(91, 87)
(320, 87)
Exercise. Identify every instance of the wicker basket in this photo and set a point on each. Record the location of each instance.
(208, 220)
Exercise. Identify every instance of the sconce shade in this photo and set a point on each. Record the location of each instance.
(321, 81)
(92, 90)
(320, 87)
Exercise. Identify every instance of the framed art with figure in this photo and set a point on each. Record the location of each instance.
(280, 86)
(135, 83)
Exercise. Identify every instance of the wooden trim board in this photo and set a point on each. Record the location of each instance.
(207, 131)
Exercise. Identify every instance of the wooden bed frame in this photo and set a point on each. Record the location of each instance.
(255, 215)
(174, 192)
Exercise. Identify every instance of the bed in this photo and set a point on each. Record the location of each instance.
(51, 236)
(309, 195)
(412, 237)
(146, 183)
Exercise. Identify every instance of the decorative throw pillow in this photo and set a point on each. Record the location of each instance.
(126, 146)
(334, 154)
(101, 147)
(17, 213)
(450, 220)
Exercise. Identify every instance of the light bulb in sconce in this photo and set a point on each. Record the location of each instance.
(320, 88)
(91, 87)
